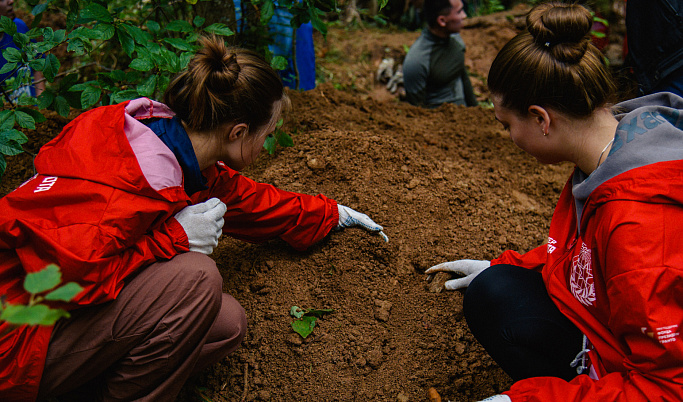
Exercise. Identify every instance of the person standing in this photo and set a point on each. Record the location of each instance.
(434, 70)
(595, 314)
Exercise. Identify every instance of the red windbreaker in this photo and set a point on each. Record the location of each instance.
(102, 206)
(619, 278)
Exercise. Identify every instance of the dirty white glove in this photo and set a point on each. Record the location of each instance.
(396, 80)
(203, 224)
(468, 268)
(348, 217)
(385, 70)
(497, 398)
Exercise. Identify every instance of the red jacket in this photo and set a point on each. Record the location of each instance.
(102, 206)
(618, 272)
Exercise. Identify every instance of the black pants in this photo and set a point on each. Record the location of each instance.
(510, 313)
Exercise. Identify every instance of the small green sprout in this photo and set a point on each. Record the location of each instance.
(306, 318)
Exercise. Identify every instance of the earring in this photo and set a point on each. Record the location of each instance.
(545, 133)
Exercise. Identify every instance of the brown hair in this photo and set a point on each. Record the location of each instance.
(224, 84)
(553, 64)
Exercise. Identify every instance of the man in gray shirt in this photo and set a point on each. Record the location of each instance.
(434, 69)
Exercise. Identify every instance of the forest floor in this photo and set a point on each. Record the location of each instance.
(446, 184)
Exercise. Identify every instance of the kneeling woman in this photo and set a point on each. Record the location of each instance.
(128, 201)
(596, 313)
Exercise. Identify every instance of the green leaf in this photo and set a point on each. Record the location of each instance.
(96, 12)
(12, 55)
(77, 46)
(14, 135)
(25, 120)
(146, 88)
(283, 138)
(51, 67)
(65, 293)
(319, 313)
(279, 63)
(3, 165)
(7, 26)
(37, 64)
(46, 99)
(8, 67)
(104, 31)
(267, 11)
(198, 21)
(6, 119)
(39, 8)
(9, 147)
(39, 314)
(153, 26)
(219, 29)
(270, 144)
(141, 64)
(180, 44)
(62, 106)
(120, 96)
(296, 311)
(37, 116)
(43, 280)
(21, 39)
(304, 327)
(90, 96)
(141, 37)
(179, 26)
(126, 40)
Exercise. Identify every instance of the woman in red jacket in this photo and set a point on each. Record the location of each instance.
(128, 201)
(595, 314)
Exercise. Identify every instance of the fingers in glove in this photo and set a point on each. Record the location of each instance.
(450, 266)
(459, 283)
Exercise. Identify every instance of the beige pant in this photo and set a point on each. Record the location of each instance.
(169, 322)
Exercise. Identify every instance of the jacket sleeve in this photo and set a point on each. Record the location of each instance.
(97, 238)
(415, 81)
(534, 259)
(258, 212)
(638, 254)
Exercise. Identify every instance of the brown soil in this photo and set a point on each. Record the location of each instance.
(446, 184)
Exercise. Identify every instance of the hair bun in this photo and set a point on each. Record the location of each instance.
(561, 29)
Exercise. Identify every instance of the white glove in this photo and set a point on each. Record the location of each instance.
(203, 224)
(348, 217)
(468, 268)
(385, 69)
(497, 398)
(396, 80)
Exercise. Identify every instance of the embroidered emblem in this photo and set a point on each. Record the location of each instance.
(551, 245)
(581, 280)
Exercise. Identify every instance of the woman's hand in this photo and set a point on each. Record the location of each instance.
(468, 268)
(203, 224)
(348, 218)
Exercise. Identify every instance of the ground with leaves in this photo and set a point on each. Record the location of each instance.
(446, 184)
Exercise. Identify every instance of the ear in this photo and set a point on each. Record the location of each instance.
(238, 131)
(441, 21)
(541, 116)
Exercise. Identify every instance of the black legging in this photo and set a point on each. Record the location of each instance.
(510, 313)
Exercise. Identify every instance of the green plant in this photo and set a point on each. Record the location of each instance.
(121, 50)
(279, 137)
(42, 287)
(306, 318)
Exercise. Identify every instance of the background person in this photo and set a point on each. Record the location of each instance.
(128, 201)
(434, 69)
(655, 44)
(594, 314)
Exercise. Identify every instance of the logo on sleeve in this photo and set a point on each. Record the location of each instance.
(551, 245)
(581, 280)
(46, 184)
